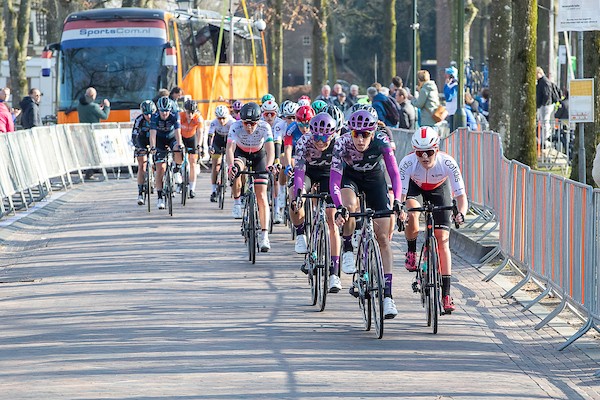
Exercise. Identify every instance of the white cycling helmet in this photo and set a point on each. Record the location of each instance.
(270, 106)
(221, 111)
(289, 110)
(425, 138)
(303, 102)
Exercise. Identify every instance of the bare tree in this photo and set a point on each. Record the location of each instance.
(388, 63)
(522, 145)
(319, 48)
(470, 14)
(138, 3)
(500, 60)
(17, 39)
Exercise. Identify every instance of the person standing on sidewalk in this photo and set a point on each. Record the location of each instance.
(545, 97)
(30, 106)
(91, 113)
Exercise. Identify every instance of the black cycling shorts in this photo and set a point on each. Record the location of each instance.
(440, 196)
(258, 160)
(372, 184)
(321, 178)
(140, 145)
(219, 143)
(190, 144)
(162, 142)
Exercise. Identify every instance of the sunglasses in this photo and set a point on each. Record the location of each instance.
(363, 134)
(429, 153)
(302, 125)
(269, 114)
(321, 138)
(250, 123)
(291, 117)
(221, 118)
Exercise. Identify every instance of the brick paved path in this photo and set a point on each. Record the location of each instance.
(102, 300)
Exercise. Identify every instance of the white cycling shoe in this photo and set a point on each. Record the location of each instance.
(389, 308)
(301, 246)
(348, 264)
(335, 284)
(236, 211)
(160, 204)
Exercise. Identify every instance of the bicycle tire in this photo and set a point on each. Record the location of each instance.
(360, 284)
(435, 287)
(169, 189)
(148, 183)
(376, 295)
(308, 217)
(185, 184)
(323, 263)
(311, 259)
(221, 185)
(270, 190)
(252, 245)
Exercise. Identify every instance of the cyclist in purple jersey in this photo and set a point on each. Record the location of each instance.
(357, 166)
(165, 133)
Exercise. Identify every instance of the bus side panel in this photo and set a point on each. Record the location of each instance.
(248, 84)
(114, 116)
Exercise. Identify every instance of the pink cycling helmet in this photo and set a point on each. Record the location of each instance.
(362, 120)
(323, 124)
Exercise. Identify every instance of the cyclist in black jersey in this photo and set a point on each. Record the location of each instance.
(140, 137)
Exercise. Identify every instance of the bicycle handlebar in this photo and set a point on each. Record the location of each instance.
(316, 195)
(429, 207)
(372, 214)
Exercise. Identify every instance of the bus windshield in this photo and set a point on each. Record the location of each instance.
(125, 75)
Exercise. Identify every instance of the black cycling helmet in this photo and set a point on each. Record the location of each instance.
(190, 105)
(250, 112)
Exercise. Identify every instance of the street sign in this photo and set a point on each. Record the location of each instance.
(581, 100)
(578, 15)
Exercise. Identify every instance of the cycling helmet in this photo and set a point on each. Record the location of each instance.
(148, 107)
(237, 105)
(250, 112)
(164, 104)
(304, 97)
(303, 102)
(362, 120)
(318, 105)
(304, 114)
(221, 111)
(425, 138)
(190, 105)
(289, 110)
(323, 124)
(282, 105)
(267, 97)
(269, 106)
(337, 115)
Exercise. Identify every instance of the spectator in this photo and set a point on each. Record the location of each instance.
(325, 95)
(451, 94)
(353, 96)
(484, 102)
(378, 100)
(396, 84)
(427, 98)
(342, 102)
(337, 89)
(7, 124)
(545, 98)
(471, 102)
(161, 93)
(91, 113)
(30, 106)
(175, 94)
(5, 97)
(407, 111)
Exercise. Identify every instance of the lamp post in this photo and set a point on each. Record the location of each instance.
(460, 115)
(415, 28)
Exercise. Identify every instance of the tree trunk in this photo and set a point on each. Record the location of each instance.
(522, 145)
(139, 3)
(591, 69)
(2, 34)
(17, 39)
(319, 50)
(332, 66)
(388, 64)
(500, 50)
(470, 14)
(275, 35)
(58, 10)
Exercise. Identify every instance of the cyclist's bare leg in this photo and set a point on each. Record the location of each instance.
(216, 164)
(161, 167)
(263, 205)
(297, 216)
(443, 239)
(350, 201)
(334, 236)
(381, 226)
(412, 227)
(141, 160)
(192, 159)
(178, 157)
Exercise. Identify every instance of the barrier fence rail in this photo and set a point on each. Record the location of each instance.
(548, 226)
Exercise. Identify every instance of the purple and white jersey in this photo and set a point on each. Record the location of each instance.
(307, 154)
(345, 154)
(250, 142)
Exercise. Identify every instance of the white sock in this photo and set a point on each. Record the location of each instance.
(193, 185)
(237, 201)
(214, 187)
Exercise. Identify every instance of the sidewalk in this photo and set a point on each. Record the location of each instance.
(103, 300)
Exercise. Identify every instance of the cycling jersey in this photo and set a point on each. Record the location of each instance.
(292, 135)
(445, 168)
(140, 132)
(311, 161)
(250, 142)
(165, 127)
(221, 130)
(188, 128)
(363, 166)
(277, 126)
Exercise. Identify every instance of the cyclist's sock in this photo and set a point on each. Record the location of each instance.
(140, 189)
(446, 285)
(237, 201)
(176, 169)
(387, 290)
(359, 223)
(348, 243)
(300, 229)
(214, 187)
(335, 265)
(193, 185)
(159, 192)
(412, 245)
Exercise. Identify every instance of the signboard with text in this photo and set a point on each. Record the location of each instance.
(581, 100)
(578, 15)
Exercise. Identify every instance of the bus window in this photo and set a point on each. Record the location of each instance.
(187, 46)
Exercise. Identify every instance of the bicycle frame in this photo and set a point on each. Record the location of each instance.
(250, 217)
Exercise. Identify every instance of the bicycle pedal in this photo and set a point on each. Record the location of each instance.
(353, 292)
(415, 287)
(304, 268)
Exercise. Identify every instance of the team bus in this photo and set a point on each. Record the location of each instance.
(128, 54)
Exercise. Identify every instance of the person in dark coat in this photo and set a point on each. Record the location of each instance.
(30, 109)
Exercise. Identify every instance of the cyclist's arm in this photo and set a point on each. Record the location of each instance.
(277, 144)
(230, 149)
(392, 169)
(335, 178)
(462, 204)
(178, 137)
(270, 148)
(199, 136)
(153, 138)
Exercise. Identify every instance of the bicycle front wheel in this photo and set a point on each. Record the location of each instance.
(435, 295)
(148, 183)
(323, 263)
(168, 189)
(270, 190)
(376, 295)
(185, 184)
(252, 244)
(221, 186)
(360, 281)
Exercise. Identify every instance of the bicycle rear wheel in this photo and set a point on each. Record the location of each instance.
(148, 183)
(270, 190)
(252, 245)
(323, 262)
(434, 284)
(375, 268)
(360, 283)
(221, 185)
(169, 192)
(185, 175)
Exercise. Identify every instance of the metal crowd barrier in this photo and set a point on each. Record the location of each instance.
(35, 160)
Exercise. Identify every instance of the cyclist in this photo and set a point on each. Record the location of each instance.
(165, 132)
(217, 137)
(266, 98)
(318, 106)
(304, 101)
(357, 166)
(140, 137)
(270, 111)
(313, 161)
(251, 139)
(434, 175)
(236, 106)
(288, 112)
(192, 128)
(338, 117)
